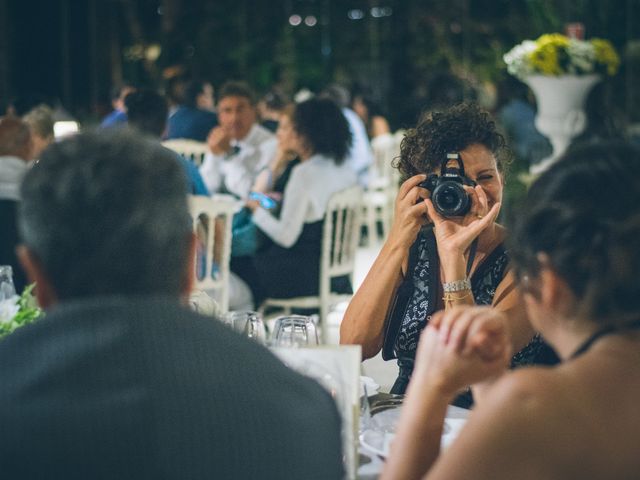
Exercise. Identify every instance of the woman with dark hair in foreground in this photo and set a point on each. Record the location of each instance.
(576, 256)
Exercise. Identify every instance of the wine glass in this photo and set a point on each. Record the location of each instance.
(7, 290)
(248, 324)
(294, 331)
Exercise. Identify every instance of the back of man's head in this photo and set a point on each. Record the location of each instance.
(40, 121)
(147, 111)
(192, 90)
(237, 89)
(106, 214)
(15, 138)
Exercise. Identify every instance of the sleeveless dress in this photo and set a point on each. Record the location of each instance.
(421, 289)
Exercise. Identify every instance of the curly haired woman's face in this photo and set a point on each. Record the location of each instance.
(480, 165)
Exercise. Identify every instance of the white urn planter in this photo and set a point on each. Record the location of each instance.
(561, 115)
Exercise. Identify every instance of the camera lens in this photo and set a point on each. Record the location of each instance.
(450, 199)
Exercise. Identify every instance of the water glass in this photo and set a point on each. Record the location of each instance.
(248, 324)
(7, 289)
(294, 331)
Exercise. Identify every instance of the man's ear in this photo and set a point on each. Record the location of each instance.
(44, 291)
(189, 275)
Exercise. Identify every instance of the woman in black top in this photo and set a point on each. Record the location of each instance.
(434, 261)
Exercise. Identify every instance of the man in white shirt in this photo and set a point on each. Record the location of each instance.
(240, 148)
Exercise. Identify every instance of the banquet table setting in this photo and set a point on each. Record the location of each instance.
(379, 417)
(369, 414)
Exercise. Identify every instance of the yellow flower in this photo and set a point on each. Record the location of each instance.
(545, 57)
(555, 54)
(606, 55)
(557, 40)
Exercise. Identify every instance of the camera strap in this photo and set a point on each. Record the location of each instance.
(472, 255)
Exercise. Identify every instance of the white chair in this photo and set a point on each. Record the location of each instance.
(212, 219)
(379, 198)
(340, 238)
(189, 149)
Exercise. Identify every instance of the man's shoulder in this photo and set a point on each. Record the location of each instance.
(116, 117)
(259, 135)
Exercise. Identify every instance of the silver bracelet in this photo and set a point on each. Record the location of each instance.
(456, 286)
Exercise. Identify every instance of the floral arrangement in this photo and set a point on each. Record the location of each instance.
(18, 311)
(556, 54)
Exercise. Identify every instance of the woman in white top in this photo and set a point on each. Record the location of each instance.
(319, 135)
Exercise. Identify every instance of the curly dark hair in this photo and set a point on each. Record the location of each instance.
(448, 131)
(324, 128)
(583, 214)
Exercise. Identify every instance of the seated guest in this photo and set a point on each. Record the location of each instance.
(40, 121)
(271, 107)
(360, 156)
(16, 150)
(195, 118)
(120, 380)
(119, 114)
(576, 256)
(240, 148)
(439, 259)
(247, 239)
(371, 115)
(148, 114)
(319, 135)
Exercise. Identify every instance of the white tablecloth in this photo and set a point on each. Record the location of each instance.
(371, 462)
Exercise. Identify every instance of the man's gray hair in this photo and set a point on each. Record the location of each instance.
(106, 213)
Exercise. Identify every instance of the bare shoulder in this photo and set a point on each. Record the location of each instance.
(508, 433)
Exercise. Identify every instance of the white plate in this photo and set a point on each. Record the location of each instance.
(379, 440)
(372, 386)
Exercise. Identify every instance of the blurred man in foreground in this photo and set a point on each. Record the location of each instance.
(119, 380)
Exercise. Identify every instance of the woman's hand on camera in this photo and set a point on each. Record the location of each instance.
(455, 234)
(410, 212)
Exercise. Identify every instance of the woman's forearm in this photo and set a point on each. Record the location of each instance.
(363, 322)
(417, 443)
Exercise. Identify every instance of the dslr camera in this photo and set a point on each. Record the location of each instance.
(447, 193)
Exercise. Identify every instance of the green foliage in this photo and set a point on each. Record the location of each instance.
(28, 312)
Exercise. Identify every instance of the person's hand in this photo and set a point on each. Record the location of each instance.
(460, 347)
(281, 160)
(410, 212)
(218, 141)
(455, 234)
(252, 204)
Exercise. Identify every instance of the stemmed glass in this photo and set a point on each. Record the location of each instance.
(294, 331)
(7, 290)
(247, 323)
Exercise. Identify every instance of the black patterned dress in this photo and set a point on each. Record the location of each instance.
(417, 301)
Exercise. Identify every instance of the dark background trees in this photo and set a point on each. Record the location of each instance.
(76, 50)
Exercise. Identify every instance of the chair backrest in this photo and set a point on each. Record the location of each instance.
(189, 149)
(212, 219)
(341, 236)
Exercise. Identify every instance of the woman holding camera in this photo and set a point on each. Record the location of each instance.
(432, 262)
(576, 258)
